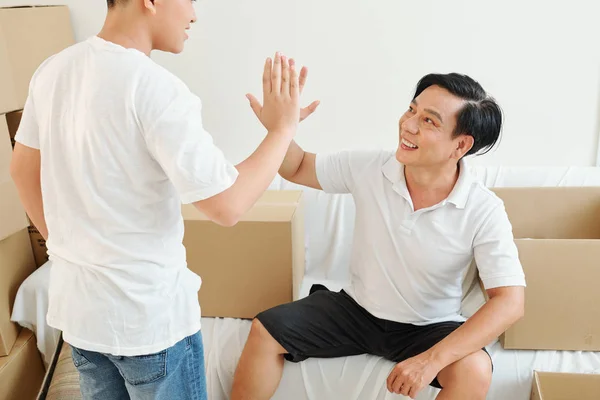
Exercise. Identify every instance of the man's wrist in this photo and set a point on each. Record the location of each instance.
(439, 357)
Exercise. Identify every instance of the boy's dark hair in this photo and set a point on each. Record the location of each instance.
(481, 116)
(112, 3)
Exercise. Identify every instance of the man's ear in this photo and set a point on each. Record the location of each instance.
(464, 143)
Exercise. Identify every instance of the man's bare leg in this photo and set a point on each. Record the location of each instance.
(260, 367)
(466, 379)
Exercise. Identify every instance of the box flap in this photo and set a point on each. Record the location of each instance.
(561, 386)
(20, 344)
(553, 212)
(562, 280)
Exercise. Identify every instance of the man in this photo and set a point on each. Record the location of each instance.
(420, 220)
(113, 143)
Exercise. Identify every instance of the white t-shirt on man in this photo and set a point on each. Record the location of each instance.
(122, 146)
(411, 266)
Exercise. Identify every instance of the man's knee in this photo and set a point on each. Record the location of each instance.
(473, 371)
(259, 335)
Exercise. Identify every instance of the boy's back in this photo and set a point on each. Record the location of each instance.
(112, 126)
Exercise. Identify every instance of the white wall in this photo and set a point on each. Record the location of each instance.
(540, 59)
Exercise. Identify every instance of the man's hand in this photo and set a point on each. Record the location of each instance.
(258, 108)
(410, 376)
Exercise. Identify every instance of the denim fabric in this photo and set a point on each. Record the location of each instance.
(176, 373)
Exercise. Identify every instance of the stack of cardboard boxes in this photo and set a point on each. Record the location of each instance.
(557, 233)
(28, 36)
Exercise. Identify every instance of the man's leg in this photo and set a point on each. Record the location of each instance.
(99, 379)
(175, 373)
(260, 367)
(325, 324)
(467, 379)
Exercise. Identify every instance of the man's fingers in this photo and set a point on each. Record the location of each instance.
(397, 385)
(303, 76)
(390, 381)
(254, 104)
(312, 107)
(276, 75)
(405, 389)
(267, 76)
(285, 76)
(413, 392)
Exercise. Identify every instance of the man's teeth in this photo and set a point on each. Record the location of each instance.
(408, 144)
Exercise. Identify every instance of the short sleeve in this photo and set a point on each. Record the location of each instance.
(339, 172)
(495, 252)
(28, 133)
(170, 116)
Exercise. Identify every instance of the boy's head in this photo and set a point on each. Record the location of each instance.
(449, 117)
(165, 21)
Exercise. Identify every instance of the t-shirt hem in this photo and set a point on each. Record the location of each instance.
(395, 318)
(127, 351)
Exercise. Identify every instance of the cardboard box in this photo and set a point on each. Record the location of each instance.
(564, 386)
(16, 264)
(12, 214)
(38, 245)
(28, 36)
(557, 232)
(253, 266)
(22, 371)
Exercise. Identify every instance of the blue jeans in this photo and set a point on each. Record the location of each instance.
(175, 373)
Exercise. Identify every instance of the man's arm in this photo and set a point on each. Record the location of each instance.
(506, 305)
(25, 172)
(299, 167)
(504, 308)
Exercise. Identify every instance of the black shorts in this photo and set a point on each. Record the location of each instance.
(330, 324)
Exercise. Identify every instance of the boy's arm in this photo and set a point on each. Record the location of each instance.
(280, 115)
(25, 172)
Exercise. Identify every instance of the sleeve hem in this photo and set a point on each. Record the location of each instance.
(19, 139)
(503, 281)
(203, 194)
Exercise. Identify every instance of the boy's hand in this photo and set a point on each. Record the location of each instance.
(270, 81)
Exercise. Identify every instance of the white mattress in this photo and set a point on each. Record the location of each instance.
(357, 377)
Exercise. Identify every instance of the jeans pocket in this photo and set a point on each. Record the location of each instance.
(140, 370)
(79, 359)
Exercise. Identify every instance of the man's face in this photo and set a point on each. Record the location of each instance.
(170, 23)
(426, 129)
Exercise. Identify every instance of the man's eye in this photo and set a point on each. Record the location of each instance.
(429, 120)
